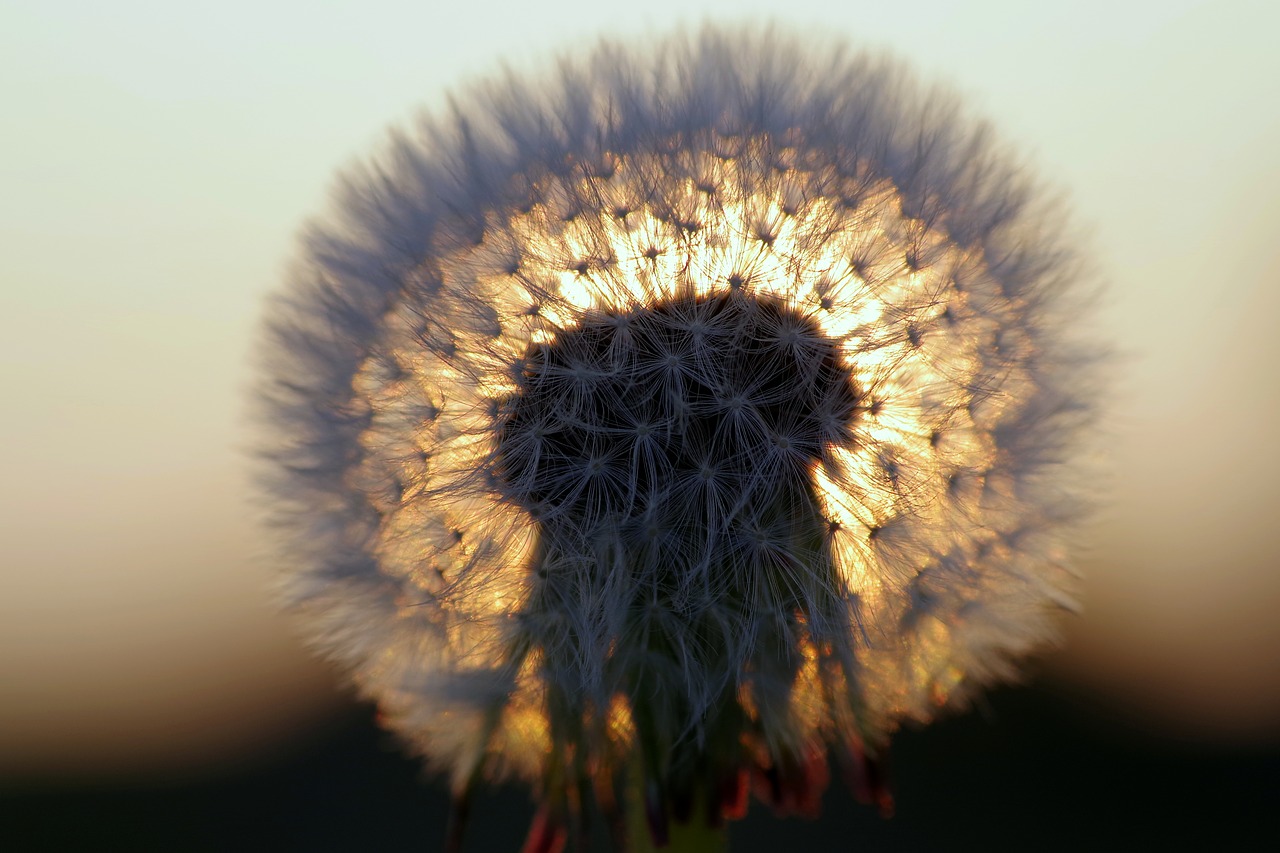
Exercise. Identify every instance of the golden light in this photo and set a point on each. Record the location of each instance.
(885, 286)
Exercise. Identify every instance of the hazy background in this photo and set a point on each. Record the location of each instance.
(157, 158)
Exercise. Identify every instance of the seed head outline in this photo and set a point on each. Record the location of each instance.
(703, 409)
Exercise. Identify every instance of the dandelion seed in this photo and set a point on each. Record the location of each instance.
(678, 422)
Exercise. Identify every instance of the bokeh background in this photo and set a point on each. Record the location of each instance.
(156, 161)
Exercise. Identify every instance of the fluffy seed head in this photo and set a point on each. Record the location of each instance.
(701, 407)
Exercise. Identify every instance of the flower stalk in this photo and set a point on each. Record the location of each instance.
(649, 828)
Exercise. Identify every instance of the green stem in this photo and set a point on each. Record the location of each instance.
(696, 836)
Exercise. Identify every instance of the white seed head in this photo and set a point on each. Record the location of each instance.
(703, 401)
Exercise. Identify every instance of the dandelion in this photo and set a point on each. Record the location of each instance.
(660, 430)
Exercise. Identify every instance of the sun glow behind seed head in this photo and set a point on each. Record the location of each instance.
(878, 283)
(690, 421)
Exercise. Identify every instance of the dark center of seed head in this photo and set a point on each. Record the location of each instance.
(685, 409)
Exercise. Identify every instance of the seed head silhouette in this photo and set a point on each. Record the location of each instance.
(676, 422)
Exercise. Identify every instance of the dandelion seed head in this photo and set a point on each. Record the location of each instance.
(703, 408)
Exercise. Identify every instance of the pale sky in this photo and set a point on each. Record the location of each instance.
(156, 160)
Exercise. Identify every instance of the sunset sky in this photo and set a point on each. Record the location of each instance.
(157, 159)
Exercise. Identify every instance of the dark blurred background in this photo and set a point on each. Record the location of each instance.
(1035, 768)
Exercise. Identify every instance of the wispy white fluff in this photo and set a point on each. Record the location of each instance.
(730, 371)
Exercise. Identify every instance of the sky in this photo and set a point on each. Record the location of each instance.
(158, 159)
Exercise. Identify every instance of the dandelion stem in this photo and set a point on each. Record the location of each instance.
(695, 836)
